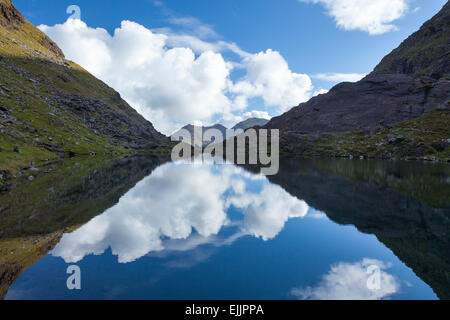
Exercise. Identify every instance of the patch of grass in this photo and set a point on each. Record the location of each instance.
(424, 137)
(18, 254)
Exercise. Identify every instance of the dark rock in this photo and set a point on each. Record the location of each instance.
(424, 53)
(385, 99)
(129, 127)
(63, 78)
(17, 150)
(3, 109)
(9, 15)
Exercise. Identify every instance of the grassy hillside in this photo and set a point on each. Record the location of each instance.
(423, 138)
(51, 107)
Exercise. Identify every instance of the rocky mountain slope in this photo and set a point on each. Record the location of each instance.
(51, 107)
(400, 110)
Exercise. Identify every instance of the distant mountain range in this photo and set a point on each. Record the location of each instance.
(250, 123)
(244, 125)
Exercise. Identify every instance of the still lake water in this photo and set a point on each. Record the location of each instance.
(320, 229)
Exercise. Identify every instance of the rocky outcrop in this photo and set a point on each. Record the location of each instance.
(410, 82)
(9, 15)
(123, 124)
(424, 53)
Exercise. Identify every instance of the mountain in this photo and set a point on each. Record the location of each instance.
(400, 110)
(194, 132)
(250, 123)
(244, 125)
(51, 107)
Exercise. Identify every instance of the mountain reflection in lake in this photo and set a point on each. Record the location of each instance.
(181, 231)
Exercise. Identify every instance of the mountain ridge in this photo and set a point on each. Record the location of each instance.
(251, 122)
(400, 110)
(51, 107)
(194, 133)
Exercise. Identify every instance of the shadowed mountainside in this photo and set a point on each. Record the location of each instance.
(51, 107)
(400, 110)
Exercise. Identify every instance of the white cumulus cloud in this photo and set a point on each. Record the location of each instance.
(269, 77)
(174, 78)
(180, 207)
(372, 16)
(339, 77)
(349, 281)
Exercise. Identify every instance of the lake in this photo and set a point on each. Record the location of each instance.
(146, 228)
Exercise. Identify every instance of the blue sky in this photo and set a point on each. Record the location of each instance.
(304, 33)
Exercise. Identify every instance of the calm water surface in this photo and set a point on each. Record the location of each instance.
(147, 230)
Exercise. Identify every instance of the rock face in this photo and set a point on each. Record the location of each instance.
(9, 15)
(50, 106)
(410, 82)
(376, 100)
(424, 53)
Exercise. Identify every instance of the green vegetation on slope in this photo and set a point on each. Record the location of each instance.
(51, 107)
(425, 53)
(426, 137)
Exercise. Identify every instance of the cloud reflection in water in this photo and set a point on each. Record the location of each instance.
(348, 281)
(180, 207)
